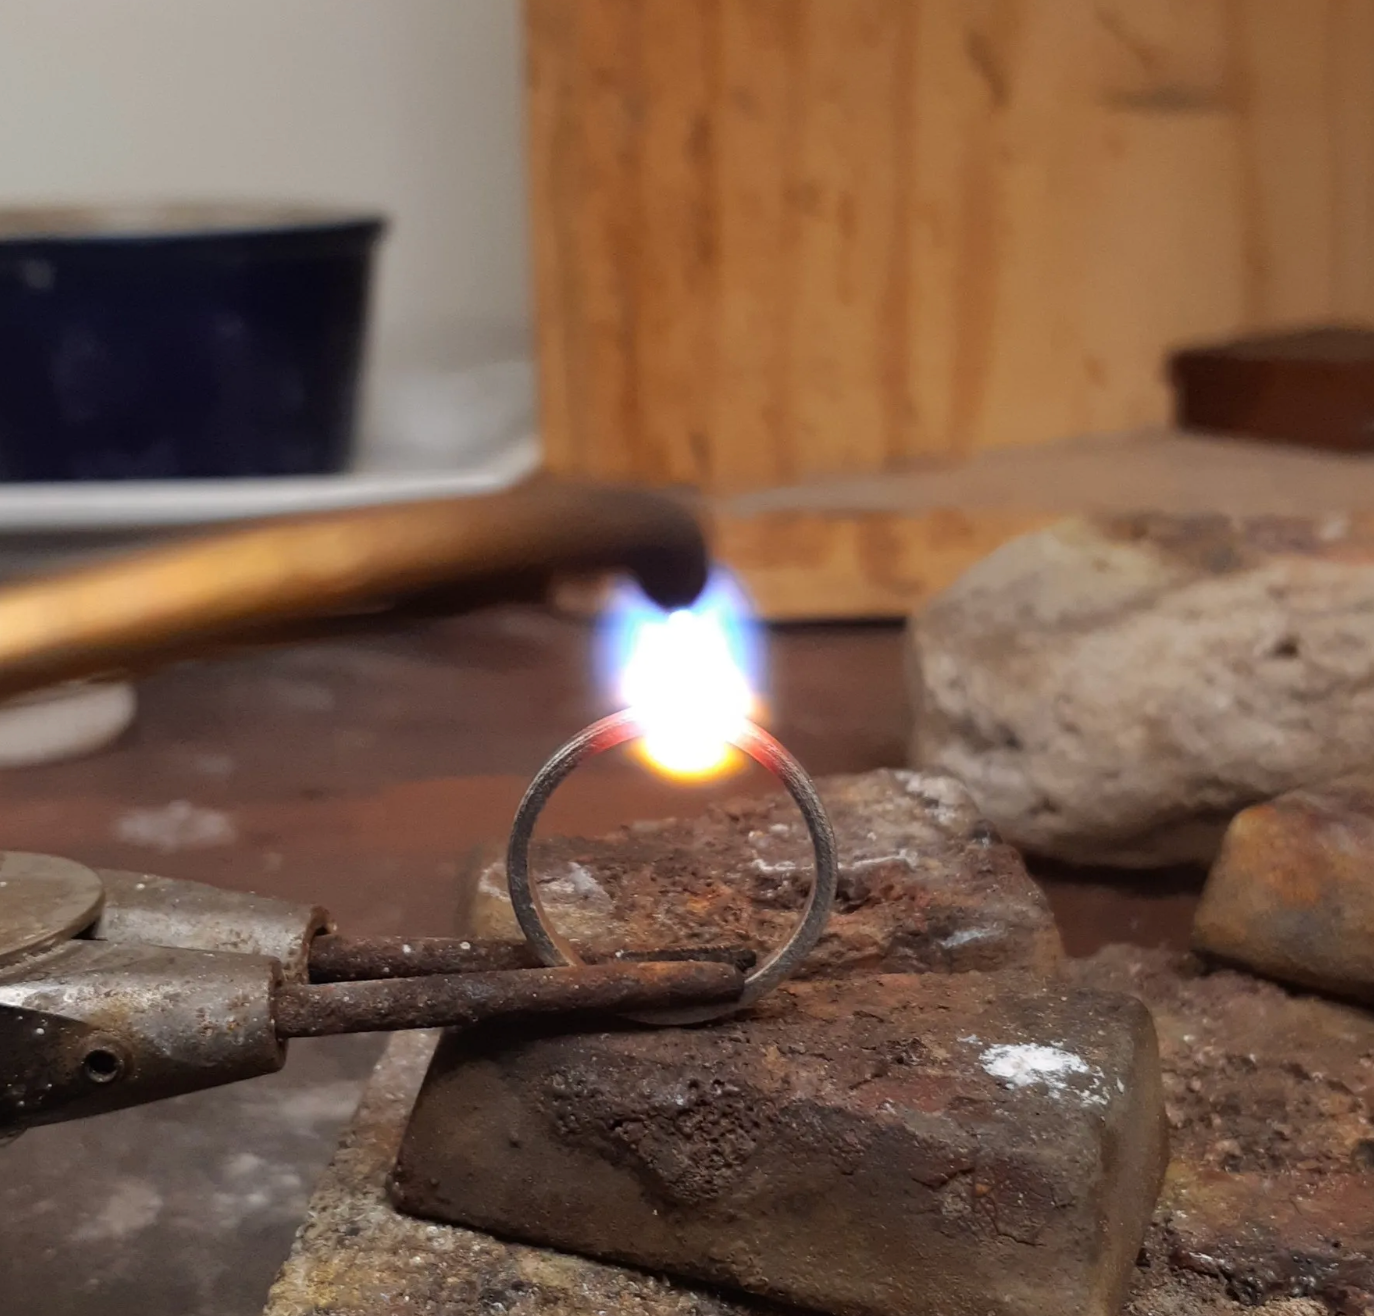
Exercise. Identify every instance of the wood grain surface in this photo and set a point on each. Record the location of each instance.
(778, 239)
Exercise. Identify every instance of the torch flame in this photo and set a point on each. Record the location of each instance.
(683, 677)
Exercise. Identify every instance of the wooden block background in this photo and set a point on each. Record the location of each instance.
(819, 566)
(880, 546)
(777, 239)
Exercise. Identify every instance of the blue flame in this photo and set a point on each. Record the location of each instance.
(723, 601)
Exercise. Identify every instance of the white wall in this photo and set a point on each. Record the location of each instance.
(407, 106)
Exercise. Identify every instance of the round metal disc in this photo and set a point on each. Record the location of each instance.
(44, 901)
(554, 949)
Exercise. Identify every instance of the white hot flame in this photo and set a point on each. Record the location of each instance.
(682, 676)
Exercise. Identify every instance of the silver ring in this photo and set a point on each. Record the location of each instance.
(555, 950)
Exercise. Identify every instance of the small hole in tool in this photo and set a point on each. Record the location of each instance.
(102, 1066)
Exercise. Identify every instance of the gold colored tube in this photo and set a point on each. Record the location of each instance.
(158, 603)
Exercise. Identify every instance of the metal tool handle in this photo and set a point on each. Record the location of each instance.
(159, 603)
(119, 988)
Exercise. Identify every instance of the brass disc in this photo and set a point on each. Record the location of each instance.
(43, 901)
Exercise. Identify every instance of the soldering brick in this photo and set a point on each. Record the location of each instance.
(925, 883)
(1290, 894)
(867, 1146)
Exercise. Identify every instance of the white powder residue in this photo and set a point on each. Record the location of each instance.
(250, 1188)
(769, 869)
(943, 796)
(129, 1208)
(578, 884)
(966, 935)
(214, 765)
(1026, 1064)
(575, 882)
(180, 825)
(492, 882)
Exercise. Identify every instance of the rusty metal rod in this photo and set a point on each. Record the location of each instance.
(338, 958)
(320, 1009)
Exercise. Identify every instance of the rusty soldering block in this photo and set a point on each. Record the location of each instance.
(914, 1143)
(924, 882)
(356, 1256)
(1290, 894)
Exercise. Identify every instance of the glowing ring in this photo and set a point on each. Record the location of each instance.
(555, 950)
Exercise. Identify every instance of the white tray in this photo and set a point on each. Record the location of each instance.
(27, 509)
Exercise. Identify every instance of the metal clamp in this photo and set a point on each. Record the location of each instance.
(120, 988)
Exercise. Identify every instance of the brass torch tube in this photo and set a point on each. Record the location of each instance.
(158, 603)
